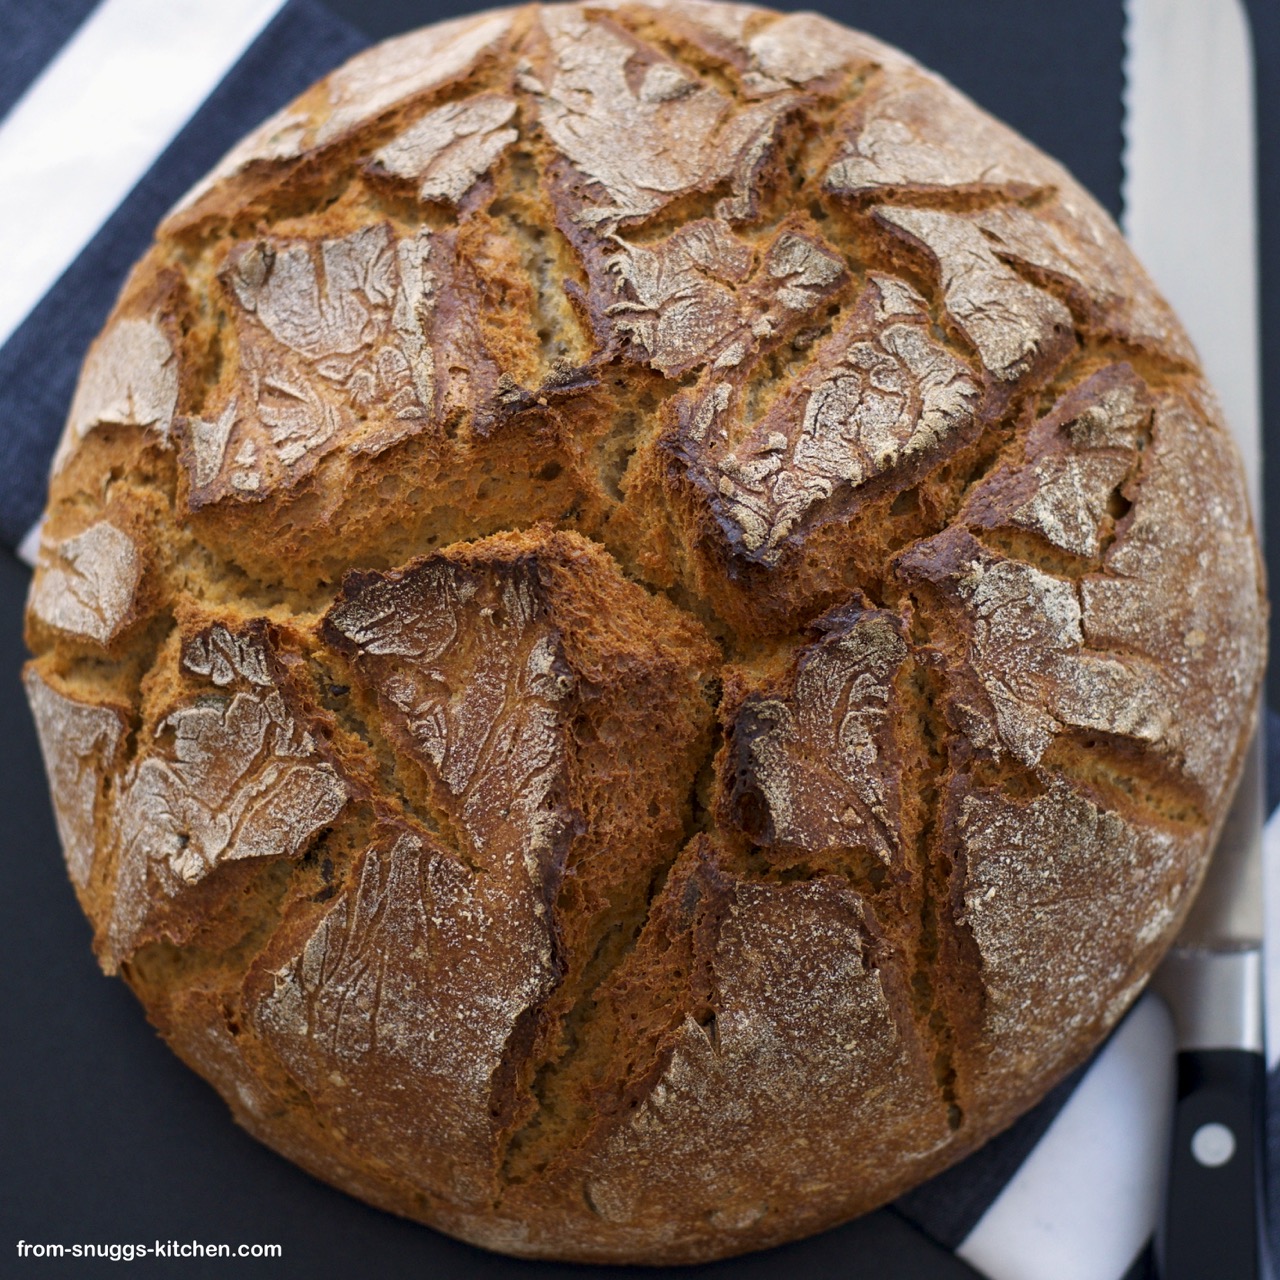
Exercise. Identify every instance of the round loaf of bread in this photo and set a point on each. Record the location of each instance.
(643, 629)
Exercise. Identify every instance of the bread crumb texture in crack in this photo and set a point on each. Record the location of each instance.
(555, 709)
(644, 625)
(802, 1087)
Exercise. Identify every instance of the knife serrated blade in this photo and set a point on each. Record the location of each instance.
(1190, 213)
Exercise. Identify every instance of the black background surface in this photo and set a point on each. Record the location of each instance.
(106, 1137)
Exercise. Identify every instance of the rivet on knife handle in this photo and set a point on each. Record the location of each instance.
(1210, 1230)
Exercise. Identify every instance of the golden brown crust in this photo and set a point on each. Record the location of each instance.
(81, 742)
(763, 1124)
(586, 555)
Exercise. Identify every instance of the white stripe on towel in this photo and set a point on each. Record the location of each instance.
(96, 119)
(1083, 1204)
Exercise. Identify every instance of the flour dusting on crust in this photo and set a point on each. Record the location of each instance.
(448, 149)
(820, 757)
(882, 394)
(329, 332)
(226, 776)
(811, 1062)
(129, 379)
(1016, 327)
(386, 1013)
(79, 741)
(85, 585)
(1062, 933)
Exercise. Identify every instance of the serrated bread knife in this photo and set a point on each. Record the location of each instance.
(1190, 213)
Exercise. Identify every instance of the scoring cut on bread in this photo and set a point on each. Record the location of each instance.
(644, 626)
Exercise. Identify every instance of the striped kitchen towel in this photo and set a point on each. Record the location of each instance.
(113, 111)
(108, 113)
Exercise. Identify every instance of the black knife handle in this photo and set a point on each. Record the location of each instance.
(1211, 1220)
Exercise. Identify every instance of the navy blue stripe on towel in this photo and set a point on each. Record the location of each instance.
(949, 1206)
(31, 36)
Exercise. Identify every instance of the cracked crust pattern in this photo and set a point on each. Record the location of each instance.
(449, 149)
(382, 1012)
(130, 378)
(325, 332)
(228, 774)
(818, 766)
(643, 628)
(86, 585)
(80, 742)
(883, 394)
